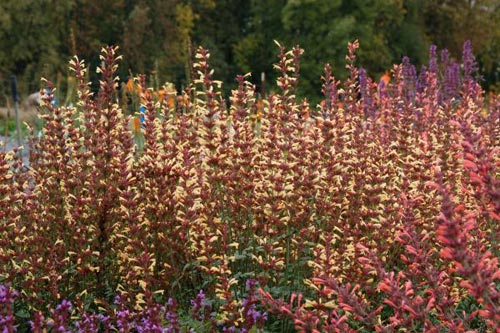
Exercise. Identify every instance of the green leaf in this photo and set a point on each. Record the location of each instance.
(22, 314)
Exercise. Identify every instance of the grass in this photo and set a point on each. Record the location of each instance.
(8, 128)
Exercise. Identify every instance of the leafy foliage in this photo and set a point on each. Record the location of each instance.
(159, 37)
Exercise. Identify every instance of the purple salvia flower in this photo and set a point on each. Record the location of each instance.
(469, 67)
(38, 322)
(198, 305)
(362, 78)
(468, 61)
(124, 320)
(452, 80)
(170, 314)
(433, 67)
(65, 306)
(413, 75)
(410, 78)
(251, 314)
(7, 322)
(61, 317)
(149, 326)
(250, 284)
(406, 65)
(7, 295)
(90, 323)
(364, 88)
(151, 320)
(104, 319)
(231, 329)
(124, 317)
(409, 72)
(445, 56)
(422, 79)
(382, 91)
(244, 302)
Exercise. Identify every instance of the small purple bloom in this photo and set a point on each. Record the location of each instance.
(65, 306)
(7, 295)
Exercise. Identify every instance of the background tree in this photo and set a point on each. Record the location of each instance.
(32, 39)
(136, 37)
(407, 38)
(219, 27)
(323, 29)
(255, 51)
(448, 23)
(158, 37)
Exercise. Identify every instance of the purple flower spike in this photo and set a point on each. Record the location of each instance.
(7, 295)
(250, 284)
(452, 80)
(433, 68)
(422, 79)
(445, 56)
(468, 60)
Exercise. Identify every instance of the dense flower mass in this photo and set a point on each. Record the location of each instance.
(376, 210)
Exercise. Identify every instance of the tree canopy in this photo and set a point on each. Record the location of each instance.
(157, 37)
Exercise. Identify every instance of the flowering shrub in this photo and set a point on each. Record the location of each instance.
(377, 210)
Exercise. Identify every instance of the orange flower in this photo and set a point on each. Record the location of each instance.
(161, 94)
(386, 77)
(130, 85)
(137, 124)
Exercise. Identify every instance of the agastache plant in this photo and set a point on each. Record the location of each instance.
(376, 210)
